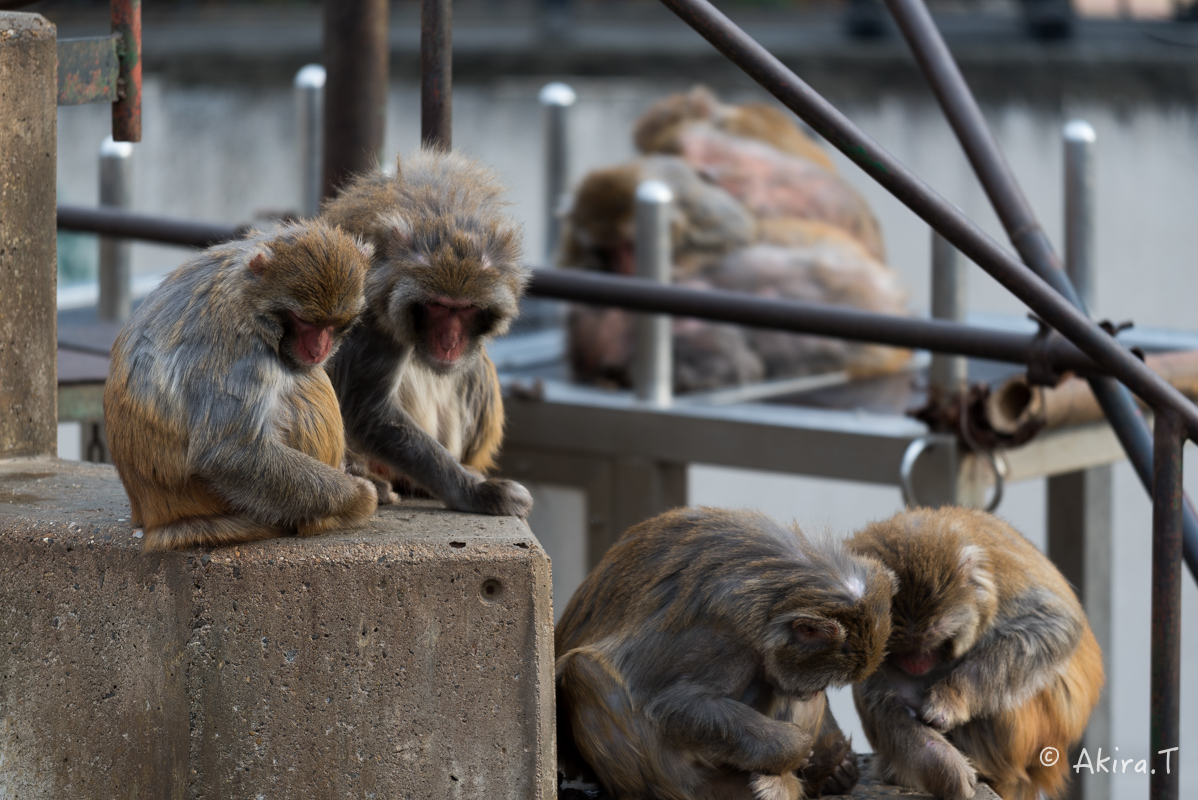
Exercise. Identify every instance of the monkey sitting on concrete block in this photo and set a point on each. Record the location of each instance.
(419, 396)
(692, 662)
(221, 422)
(991, 659)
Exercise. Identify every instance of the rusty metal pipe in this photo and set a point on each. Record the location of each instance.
(436, 74)
(355, 108)
(1168, 436)
(1023, 229)
(126, 111)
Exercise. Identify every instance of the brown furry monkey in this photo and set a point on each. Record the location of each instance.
(990, 660)
(692, 661)
(659, 128)
(419, 396)
(221, 422)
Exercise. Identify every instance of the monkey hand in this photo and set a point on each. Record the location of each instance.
(945, 707)
(944, 771)
(775, 787)
(359, 467)
(499, 497)
(831, 768)
(360, 508)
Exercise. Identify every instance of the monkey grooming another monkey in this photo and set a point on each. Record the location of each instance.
(692, 662)
(990, 659)
(221, 422)
(419, 396)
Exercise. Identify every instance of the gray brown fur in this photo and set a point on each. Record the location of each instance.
(219, 430)
(692, 661)
(1004, 661)
(441, 232)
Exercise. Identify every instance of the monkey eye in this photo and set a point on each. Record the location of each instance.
(814, 632)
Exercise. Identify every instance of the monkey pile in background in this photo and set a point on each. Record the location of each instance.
(419, 396)
(758, 208)
(221, 422)
(990, 659)
(692, 662)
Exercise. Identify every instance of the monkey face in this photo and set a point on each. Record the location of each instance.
(308, 288)
(945, 591)
(447, 284)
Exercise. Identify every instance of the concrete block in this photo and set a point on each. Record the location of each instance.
(410, 659)
(28, 153)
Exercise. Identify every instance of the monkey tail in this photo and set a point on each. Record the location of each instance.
(210, 531)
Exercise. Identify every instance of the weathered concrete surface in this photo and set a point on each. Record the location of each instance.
(28, 147)
(409, 659)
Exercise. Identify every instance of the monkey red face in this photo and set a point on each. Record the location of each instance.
(915, 664)
(312, 342)
(450, 325)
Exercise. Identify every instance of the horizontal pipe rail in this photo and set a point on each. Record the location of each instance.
(633, 294)
(800, 98)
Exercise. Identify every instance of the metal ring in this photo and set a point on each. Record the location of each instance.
(917, 448)
(910, 456)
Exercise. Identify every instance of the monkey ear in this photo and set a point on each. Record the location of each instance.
(974, 565)
(814, 632)
(365, 248)
(258, 262)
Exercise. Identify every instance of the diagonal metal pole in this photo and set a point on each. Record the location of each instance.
(1023, 229)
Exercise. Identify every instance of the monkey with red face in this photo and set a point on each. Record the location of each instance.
(419, 396)
(221, 422)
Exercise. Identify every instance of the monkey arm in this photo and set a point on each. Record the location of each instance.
(234, 448)
(727, 731)
(365, 374)
(1017, 657)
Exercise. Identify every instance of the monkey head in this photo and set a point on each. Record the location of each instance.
(306, 290)
(600, 230)
(946, 594)
(828, 625)
(451, 286)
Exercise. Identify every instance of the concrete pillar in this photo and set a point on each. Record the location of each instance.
(28, 308)
(410, 658)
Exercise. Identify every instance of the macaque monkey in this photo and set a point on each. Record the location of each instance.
(990, 659)
(599, 230)
(658, 129)
(419, 396)
(221, 422)
(692, 662)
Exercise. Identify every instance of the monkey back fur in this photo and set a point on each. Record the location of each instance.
(692, 661)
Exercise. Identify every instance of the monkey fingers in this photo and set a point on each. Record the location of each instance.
(946, 706)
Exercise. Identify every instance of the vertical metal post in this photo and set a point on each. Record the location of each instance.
(1079, 503)
(653, 371)
(355, 107)
(309, 116)
(948, 374)
(116, 254)
(126, 112)
(556, 99)
(1163, 783)
(436, 74)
